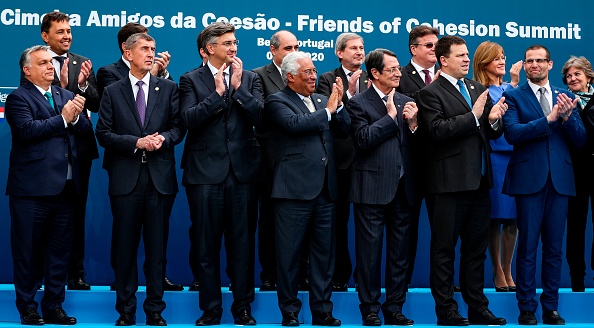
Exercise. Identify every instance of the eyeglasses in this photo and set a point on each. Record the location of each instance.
(228, 44)
(309, 72)
(427, 45)
(392, 70)
(536, 60)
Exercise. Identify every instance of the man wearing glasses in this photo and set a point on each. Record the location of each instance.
(382, 189)
(221, 104)
(421, 71)
(304, 187)
(460, 119)
(542, 127)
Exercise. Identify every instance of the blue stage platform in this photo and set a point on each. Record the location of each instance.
(95, 308)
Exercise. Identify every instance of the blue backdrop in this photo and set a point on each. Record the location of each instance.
(175, 25)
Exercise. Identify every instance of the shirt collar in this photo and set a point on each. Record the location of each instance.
(450, 78)
(420, 69)
(126, 61)
(41, 89)
(215, 70)
(53, 54)
(381, 94)
(146, 79)
(535, 87)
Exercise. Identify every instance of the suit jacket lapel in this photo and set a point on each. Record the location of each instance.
(275, 76)
(123, 69)
(33, 90)
(363, 80)
(294, 97)
(128, 94)
(73, 70)
(207, 78)
(445, 83)
(532, 99)
(153, 95)
(415, 76)
(58, 103)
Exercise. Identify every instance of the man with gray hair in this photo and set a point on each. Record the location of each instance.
(221, 103)
(304, 184)
(281, 44)
(43, 184)
(351, 53)
(139, 125)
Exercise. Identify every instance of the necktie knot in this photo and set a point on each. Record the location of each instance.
(427, 76)
(385, 99)
(139, 83)
(464, 92)
(544, 102)
(60, 60)
(309, 104)
(50, 99)
(350, 74)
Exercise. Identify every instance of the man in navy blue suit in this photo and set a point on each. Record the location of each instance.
(304, 185)
(139, 125)
(541, 127)
(43, 184)
(221, 103)
(383, 123)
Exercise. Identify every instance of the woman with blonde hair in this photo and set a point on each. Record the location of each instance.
(489, 69)
(577, 74)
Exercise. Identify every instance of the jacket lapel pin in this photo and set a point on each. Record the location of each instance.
(472, 87)
(414, 72)
(556, 91)
(156, 88)
(74, 62)
(319, 100)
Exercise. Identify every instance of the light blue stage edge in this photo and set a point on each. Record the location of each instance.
(97, 307)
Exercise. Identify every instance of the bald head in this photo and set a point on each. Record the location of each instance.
(281, 44)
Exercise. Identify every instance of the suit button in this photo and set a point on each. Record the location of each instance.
(323, 142)
(228, 141)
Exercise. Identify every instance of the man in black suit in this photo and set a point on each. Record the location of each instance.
(421, 71)
(304, 186)
(221, 104)
(74, 73)
(281, 44)
(351, 53)
(383, 187)
(460, 119)
(139, 125)
(43, 185)
(118, 71)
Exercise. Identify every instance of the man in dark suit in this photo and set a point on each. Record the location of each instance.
(43, 185)
(541, 126)
(221, 104)
(139, 125)
(304, 186)
(281, 44)
(421, 71)
(351, 53)
(460, 119)
(73, 73)
(382, 188)
(117, 71)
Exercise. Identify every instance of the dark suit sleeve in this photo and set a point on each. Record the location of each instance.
(251, 100)
(196, 114)
(91, 94)
(442, 127)
(105, 128)
(25, 126)
(341, 123)
(325, 84)
(292, 121)
(365, 135)
(175, 132)
(104, 78)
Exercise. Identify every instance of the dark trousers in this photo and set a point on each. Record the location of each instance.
(343, 267)
(413, 238)
(577, 217)
(227, 209)
(143, 212)
(296, 220)
(41, 232)
(76, 268)
(540, 216)
(266, 237)
(370, 221)
(464, 215)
